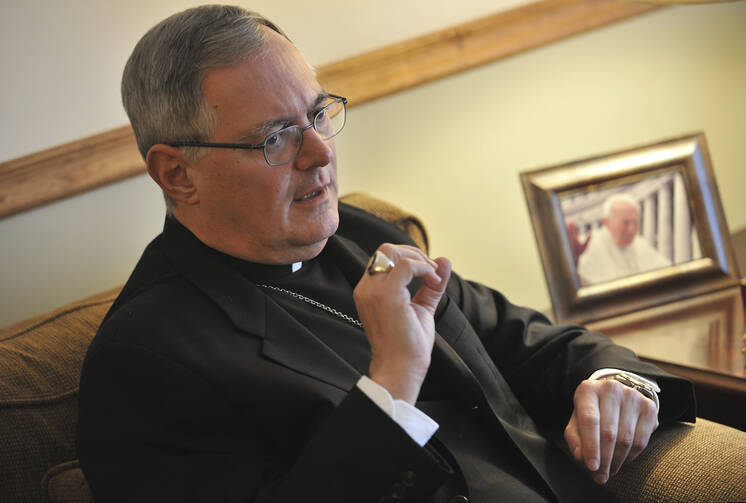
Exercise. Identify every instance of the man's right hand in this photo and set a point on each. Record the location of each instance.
(401, 328)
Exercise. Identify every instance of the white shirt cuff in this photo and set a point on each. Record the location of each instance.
(600, 374)
(418, 425)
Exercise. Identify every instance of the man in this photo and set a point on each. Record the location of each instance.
(253, 356)
(616, 250)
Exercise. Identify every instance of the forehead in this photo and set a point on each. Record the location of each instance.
(624, 209)
(276, 81)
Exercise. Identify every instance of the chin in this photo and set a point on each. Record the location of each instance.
(310, 237)
(328, 226)
(313, 245)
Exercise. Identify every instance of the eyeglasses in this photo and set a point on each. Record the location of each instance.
(283, 146)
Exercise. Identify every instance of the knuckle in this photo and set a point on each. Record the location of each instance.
(608, 434)
(407, 261)
(387, 249)
(648, 406)
(607, 383)
(639, 445)
(587, 416)
(631, 394)
(625, 440)
(583, 392)
(617, 389)
(586, 386)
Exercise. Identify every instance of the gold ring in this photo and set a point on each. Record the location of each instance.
(379, 262)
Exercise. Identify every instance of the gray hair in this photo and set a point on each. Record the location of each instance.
(619, 198)
(162, 80)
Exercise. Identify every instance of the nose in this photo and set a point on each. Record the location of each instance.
(314, 151)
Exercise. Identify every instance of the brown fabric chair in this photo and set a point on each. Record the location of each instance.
(40, 361)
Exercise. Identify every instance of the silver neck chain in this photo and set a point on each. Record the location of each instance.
(314, 303)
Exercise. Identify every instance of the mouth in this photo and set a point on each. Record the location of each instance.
(314, 193)
(310, 195)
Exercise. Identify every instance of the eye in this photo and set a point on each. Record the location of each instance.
(272, 140)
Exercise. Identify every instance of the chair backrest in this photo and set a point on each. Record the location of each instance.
(40, 363)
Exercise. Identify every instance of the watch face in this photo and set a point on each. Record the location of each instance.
(640, 386)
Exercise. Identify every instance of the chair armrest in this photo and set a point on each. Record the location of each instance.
(686, 463)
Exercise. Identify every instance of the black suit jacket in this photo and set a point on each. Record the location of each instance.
(199, 387)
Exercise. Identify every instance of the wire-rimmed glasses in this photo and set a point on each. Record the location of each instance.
(282, 146)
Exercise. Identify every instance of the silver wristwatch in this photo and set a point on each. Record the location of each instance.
(632, 382)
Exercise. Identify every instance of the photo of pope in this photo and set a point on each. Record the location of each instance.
(617, 249)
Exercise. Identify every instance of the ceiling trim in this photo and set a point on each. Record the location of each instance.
(52, 174)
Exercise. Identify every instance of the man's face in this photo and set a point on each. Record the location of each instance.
(267, 214)
(623, 223)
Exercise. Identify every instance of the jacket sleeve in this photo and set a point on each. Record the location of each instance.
(544, 363)
(150, 429)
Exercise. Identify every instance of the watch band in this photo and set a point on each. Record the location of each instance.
(632, 382)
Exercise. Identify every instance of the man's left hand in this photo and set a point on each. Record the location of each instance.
(611, 424)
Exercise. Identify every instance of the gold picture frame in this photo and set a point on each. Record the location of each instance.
(677, 200)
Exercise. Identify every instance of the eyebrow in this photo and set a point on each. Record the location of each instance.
(263, 129)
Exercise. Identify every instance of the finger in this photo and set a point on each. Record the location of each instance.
(395, 254)
(646, 425)
(406, 269)
(398, 252)
(572, 437)
(430, 292)
(610, 401)
(628, 421)
(587, 410)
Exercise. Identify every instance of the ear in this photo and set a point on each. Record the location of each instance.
(168, 167)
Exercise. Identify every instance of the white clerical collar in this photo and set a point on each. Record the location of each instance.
(296, 266)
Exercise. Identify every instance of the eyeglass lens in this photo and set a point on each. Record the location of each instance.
(284, 145)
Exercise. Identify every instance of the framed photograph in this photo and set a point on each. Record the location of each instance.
(630, 230)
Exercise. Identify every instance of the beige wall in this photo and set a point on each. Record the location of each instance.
(452, 151)
(453, 157)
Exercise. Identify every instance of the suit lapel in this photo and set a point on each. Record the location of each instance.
(348, 256)
(290, 344)
(284, 340)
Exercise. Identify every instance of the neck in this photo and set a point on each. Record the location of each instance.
(244, 247)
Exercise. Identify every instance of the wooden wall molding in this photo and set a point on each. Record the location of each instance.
(104, 158)
(69, 169)
(407, 64)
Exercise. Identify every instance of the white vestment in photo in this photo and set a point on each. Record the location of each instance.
(604, 260)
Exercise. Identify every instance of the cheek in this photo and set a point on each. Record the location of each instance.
(270, 196)
(261, 183)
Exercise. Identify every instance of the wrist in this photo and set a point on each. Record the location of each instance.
(402, 380)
